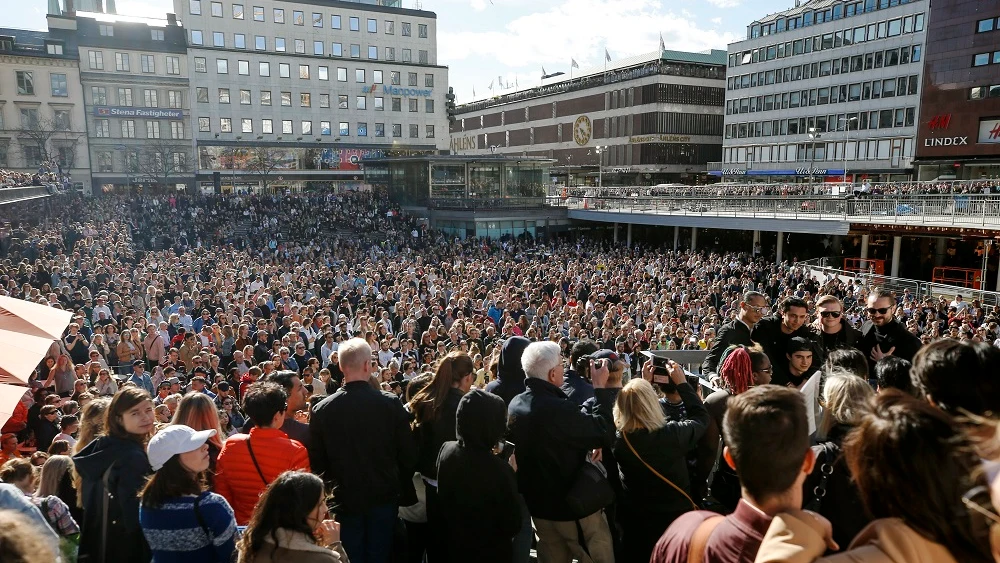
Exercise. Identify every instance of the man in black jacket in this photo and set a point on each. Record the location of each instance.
(753, 307)
(835, 331)
(363, 448)
(882, 335)
(774, 333)
(553, 437)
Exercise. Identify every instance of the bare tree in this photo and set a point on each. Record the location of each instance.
(264, 161)
(160, 160)
(47, 136)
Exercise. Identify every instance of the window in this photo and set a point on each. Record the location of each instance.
(222, 66)
(125, 97)
(176, 129)
(342, 101)
(223, 95)
(305, 100)
(411, 79)
(317, 19)
(201, 94)
(225, 124)
(265, 97)
(429, 105)
(372, 52)
(407, 56)
(355, 51)
(429, 129)
(362, 129)
(194, 7)
(323, 73)
(981, 59)
(264, 69)
(156, 34)
(243, 68)
(341, 74)
(286, 99)
(335, 22)
(197, 37)
(377, 76)
(412, 103)
(298, 18)
(397, 104)
(59, 86)
(175, 99)
(218, 39)
(324, 101)
(128, 128)
(147, 63)
(390, 53)
(422, 30)
(279, 15)
(345, 129)
(246, 125)
(982, 26)
(397, 130)
(106, 30)
(216, 9)
(237, 11)
(96, 60)
(414, 131)
(361, 102)
(103, 128)
(258, 13)
(260, 43)
(306, 127)
(245, 97)
(380, 129)
(149, 98)
(29, 118)
(304, 72)
(104, 161)
(286, 126)
(173, 65)
(359, 76)
(394, 77)
(372, 25)
(99, 95)
(379, 103)
(284, 70)
(204, 124)
(300, 46)
(266, 126)
(429, 80)
(355, 23)
(318, 47)
(200, 64)
(337, 49)
(390, 27)
(405, 31)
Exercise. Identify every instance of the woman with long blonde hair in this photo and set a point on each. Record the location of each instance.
(198, 411)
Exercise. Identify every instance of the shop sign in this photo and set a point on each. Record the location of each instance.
(946, 141)
(659, 139)
(467, 143)
(989, 131)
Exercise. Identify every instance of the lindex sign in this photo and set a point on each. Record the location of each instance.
(946, 141)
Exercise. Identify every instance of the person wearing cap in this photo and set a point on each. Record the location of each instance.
(199, 384)
(575, 386)
(140, 378)
(180, 518)
(800, 360)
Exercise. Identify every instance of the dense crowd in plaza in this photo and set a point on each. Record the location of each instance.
(45, 176)
(861, 188)
(317, 377)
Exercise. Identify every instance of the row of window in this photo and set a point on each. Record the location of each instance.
(306, 99)
(108, 30)
(123, 62)
(869, 90)
(306, 128)
(150, 97)
(31, 119)
(853, 121)
(33, 155)
(836, 151)
(305, 72)
(983, 92)
(834, 40)
(810, 17)
(983, 59)
(105, 161)
(25, 80)
(989, 24)
(843, 65)
(317, 19)
(318, 47)
(102, 129)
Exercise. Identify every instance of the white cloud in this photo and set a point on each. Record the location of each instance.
(725, 3)
(716, 21)
(478, 5)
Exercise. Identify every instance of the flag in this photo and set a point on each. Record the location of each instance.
(573, 64)
(500, 81)
(607, 55)
(473, 91)
(515, 83)
(662, 46)
(543, 71)
(490, 86)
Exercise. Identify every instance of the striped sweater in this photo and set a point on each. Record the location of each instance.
(175, 534)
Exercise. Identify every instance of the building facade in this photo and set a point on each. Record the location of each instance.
(826, 90)
(959, 133)
(645, 120)
(42, 119)
(289, 95)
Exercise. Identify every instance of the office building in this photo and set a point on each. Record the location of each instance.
(290, 95)
(646, 119)
(826, 90)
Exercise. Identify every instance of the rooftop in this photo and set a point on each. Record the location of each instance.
(28, 42)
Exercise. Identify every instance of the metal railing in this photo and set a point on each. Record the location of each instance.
(783, 189)
(14, 195)
(473, 204)
(933, 210)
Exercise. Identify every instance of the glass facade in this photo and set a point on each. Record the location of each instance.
(417, 181)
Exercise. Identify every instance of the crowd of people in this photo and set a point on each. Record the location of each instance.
(860, 188)
(269, 393)
(47, 175)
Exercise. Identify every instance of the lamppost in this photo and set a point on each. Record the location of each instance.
(847, 141)
(599, 149)
(814, 134)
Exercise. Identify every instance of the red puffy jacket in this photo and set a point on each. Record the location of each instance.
(236, 476)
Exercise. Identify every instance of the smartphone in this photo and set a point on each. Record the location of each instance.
(506, 449)
(661, 371)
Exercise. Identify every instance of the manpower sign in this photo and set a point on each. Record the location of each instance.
(397, 91)
(145, 113)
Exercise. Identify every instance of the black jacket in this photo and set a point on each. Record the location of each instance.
(666, 451)
(128, 470)
(841, 503)
(430, 435)
(848, 337)
(553, 436)
(733, 332)
(774, 341)
(361, 445)
(510, 374)
(481, 521)
(892, 335)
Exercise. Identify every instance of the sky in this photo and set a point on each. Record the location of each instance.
(483, 40)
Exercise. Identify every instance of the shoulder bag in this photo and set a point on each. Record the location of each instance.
(590, 491)
(658, 474)
(255, 464)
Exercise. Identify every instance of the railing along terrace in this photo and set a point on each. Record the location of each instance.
(12, 195)
(984, 187)
(473, 204)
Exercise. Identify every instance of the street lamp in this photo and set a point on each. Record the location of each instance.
(814, 134)
(599, 149)
(847, 141)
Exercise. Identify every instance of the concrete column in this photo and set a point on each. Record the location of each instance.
(897, 245)
(864, 252)
(628, 236)
(780, 248)
(694, 239)
(756, 241)
(677, 237)
(616, 233)
(940, 251)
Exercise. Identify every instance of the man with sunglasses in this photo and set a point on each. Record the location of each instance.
(753, 307)
(835, 331)
(882, 335)
(776, 332)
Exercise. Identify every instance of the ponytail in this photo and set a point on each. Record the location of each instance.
(426, 404)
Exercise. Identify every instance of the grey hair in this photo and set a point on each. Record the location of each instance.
(539, 358)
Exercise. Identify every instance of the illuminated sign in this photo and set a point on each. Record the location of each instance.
(397, 91)
(989, 131)
(659, 139)
(940, 121)
(946, 141)
(147, 113)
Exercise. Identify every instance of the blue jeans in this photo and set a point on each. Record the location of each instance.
(367, 537)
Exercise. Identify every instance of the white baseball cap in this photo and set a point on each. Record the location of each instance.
(172, 440)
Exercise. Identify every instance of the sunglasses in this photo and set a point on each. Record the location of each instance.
(830, 314)
(880, 310)
(760, 310)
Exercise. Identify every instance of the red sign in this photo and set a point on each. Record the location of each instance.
(995, 132)
(940, 121)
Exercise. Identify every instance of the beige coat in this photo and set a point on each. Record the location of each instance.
(297, 547)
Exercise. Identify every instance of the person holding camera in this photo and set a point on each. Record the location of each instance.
(652, 458)
(577, 385)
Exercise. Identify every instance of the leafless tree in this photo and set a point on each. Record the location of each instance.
(263, 161)
(161, 160)
(48, 136)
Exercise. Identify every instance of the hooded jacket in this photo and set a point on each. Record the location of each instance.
(479, 522)
(510, 381)
(125, 463)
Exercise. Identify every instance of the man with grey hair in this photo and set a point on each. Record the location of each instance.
(363, 449)
(553, 437)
